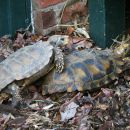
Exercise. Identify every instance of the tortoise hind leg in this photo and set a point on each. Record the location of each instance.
(14, 90)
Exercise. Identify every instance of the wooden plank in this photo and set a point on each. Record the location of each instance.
(14, 14)
(107, 20)
(4, 16)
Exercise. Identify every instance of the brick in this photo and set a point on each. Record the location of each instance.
(38, 22)
(49, 19)
(46, 18)
(46, 3)
(76, 8)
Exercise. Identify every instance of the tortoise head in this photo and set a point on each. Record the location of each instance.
(123, 49)
(59, 40)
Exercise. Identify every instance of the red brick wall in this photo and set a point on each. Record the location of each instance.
(47, 13)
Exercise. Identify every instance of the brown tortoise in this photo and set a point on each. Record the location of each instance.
(88, 69)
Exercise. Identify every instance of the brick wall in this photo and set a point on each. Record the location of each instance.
(47, 13)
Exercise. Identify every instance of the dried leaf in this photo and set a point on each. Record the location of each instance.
(48, 107)
(83, 32)
(38, 121)
(70, 30)
(69, 111)
(102, 106)
(107, 92)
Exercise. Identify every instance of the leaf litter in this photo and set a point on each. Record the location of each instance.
(106, 108)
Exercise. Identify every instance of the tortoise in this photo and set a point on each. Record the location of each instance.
(88, 69)
(30, 63)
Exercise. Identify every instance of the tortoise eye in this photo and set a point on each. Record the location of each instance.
(62, 39)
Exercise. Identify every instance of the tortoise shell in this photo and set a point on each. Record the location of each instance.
(84, 70)
(30, 63)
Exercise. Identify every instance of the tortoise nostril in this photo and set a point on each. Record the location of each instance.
(62, 39)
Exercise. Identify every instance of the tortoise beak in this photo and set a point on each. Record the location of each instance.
(66, 40)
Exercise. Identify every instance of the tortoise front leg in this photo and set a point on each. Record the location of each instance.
(59, 59)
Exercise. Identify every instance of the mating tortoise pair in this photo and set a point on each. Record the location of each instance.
(84, 70)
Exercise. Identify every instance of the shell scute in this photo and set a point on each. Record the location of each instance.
(80, 72)
(25, 62)
(5, 78)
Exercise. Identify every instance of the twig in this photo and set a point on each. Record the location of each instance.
(27, 28)
(68, 25)
(63, 12)
(97, 95)
(46, 101)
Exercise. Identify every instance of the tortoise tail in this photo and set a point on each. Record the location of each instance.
(59, 59)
